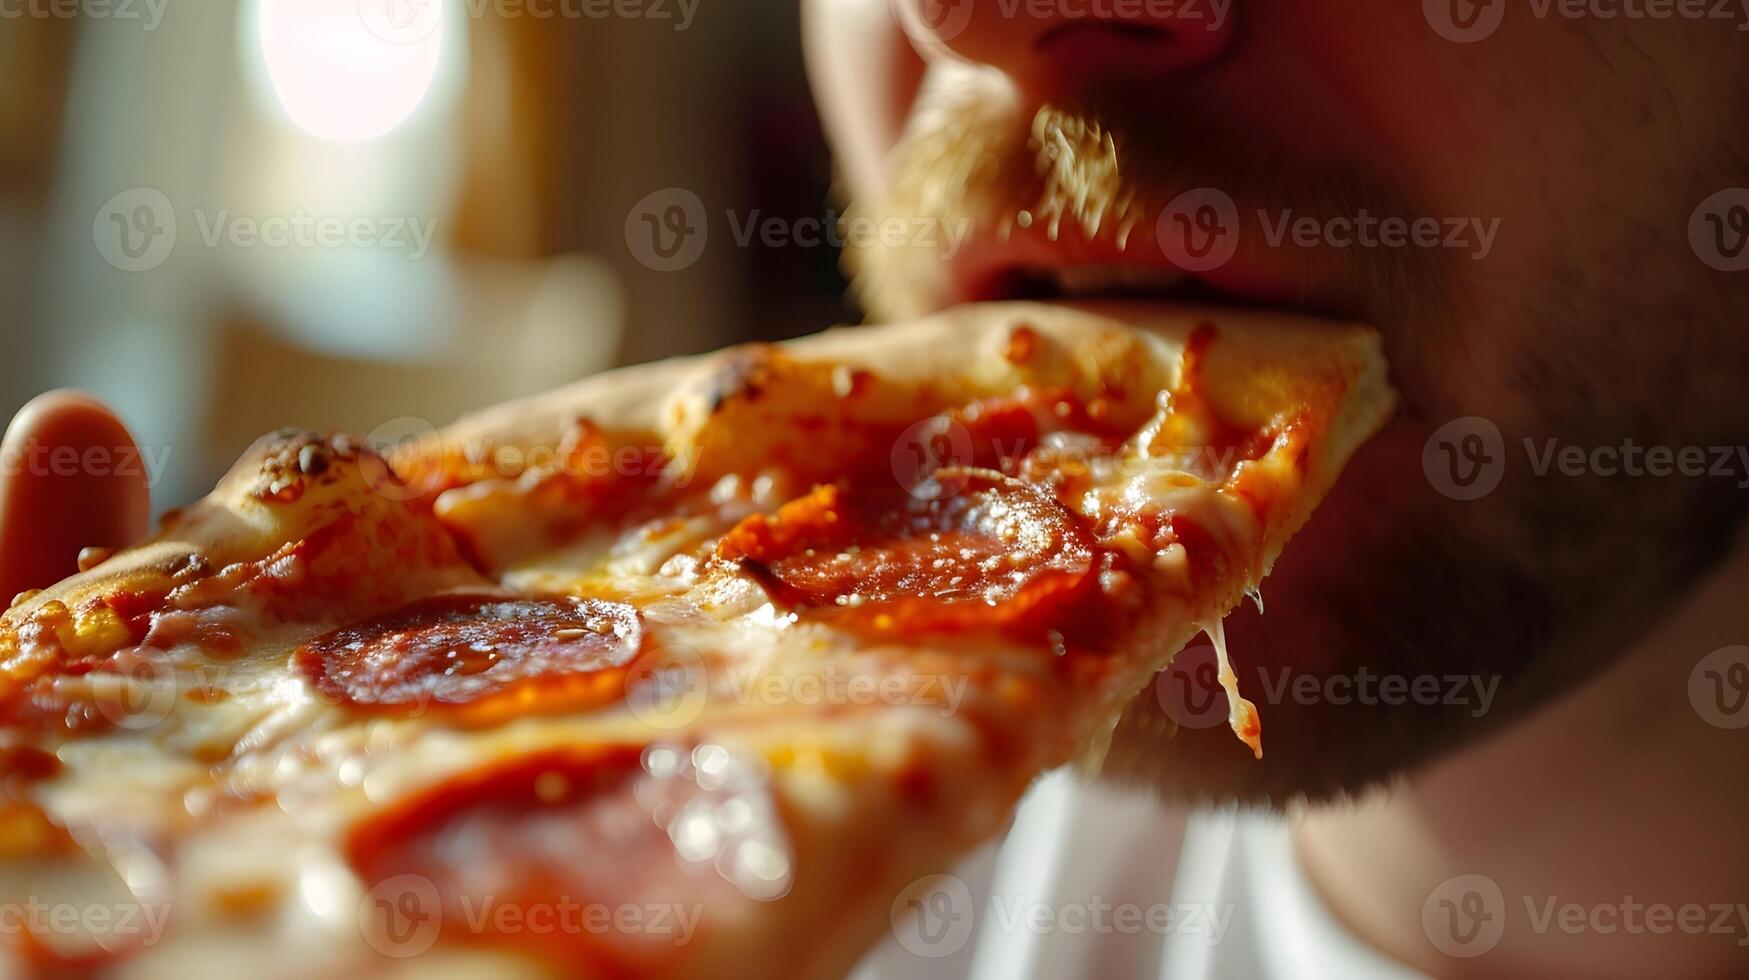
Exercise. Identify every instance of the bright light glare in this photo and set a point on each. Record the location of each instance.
(350, 70)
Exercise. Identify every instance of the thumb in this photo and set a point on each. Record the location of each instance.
(70, 477)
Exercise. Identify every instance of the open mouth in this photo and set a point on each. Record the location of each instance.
(1071, 257)
(1070, 265)
(1163, 284)
(1095, 281)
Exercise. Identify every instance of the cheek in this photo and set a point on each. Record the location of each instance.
(1482, 137)
(1407, 101)
(864, 75)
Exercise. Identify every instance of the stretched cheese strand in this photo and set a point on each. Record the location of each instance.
(1241, 714)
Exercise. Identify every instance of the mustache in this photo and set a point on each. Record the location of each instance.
(1107, 171)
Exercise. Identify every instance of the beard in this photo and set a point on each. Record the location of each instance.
(1461, 614)
(1102, 174)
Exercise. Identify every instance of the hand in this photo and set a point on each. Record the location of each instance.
(51, 503)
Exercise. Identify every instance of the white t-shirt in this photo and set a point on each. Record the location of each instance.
(1095, 881)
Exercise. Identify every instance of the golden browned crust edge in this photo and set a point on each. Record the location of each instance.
(278, 492)
(1257, 360)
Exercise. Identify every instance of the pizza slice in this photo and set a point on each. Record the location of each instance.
(688, 670)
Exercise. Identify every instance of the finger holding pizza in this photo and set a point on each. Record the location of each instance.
(52, 504)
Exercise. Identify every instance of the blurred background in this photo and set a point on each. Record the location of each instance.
(226, 216)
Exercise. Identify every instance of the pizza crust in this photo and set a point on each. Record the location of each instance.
(1264, 360)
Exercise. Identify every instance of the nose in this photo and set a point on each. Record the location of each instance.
(1057, 47)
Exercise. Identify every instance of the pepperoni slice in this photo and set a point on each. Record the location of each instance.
(483, 657)
(563, 851)
(998, 554)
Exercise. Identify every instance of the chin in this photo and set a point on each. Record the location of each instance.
(1474, 611)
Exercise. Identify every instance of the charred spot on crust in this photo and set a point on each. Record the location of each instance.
(742, 373)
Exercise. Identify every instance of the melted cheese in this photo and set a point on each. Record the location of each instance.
(784, 753)
(1241, 714)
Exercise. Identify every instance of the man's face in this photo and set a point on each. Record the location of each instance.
(1542, 167)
